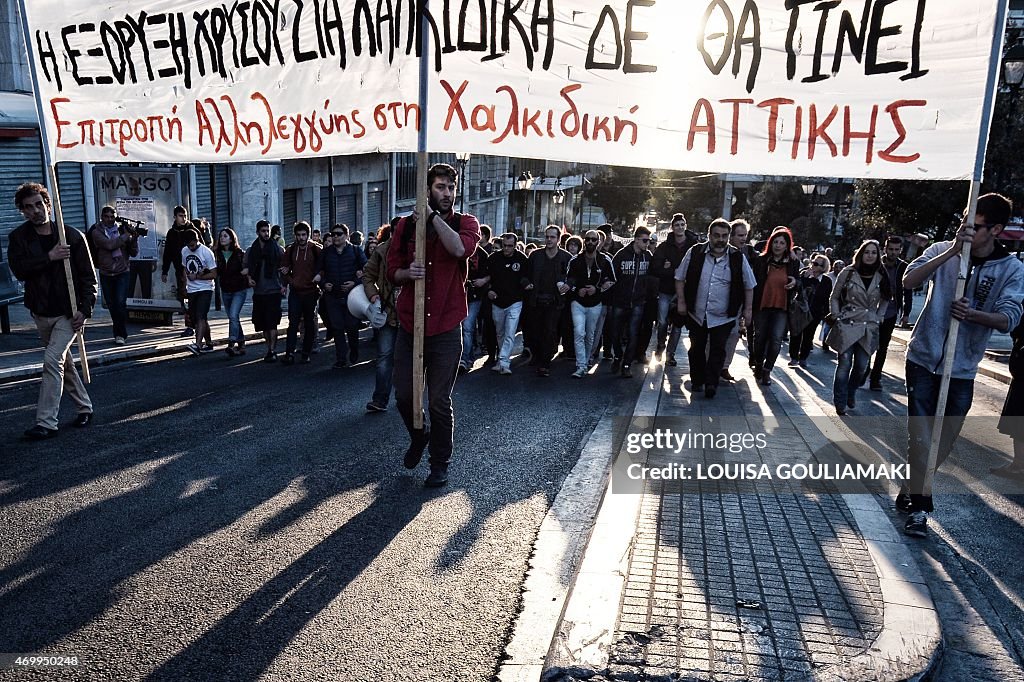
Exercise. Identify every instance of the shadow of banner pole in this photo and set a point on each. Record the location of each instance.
(51, 172)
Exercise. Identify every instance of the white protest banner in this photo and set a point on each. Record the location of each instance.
(857, 88)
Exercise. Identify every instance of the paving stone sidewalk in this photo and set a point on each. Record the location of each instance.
(742, 580)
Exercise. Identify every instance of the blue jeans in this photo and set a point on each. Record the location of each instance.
(668, 334)
(469, 331)
(770, 326)
(922, 402)
(853, 365)
(584, 325)
(233, 304)
(115, 293)
(626, 324)
(386, 336)
(505, 322)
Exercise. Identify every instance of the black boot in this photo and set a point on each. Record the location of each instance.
(438, 476)
(415, 452)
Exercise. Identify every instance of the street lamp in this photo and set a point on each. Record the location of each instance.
(559, 198)
(524, 182)
(463, 159)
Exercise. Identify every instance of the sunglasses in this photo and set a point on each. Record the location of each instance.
(592, 239)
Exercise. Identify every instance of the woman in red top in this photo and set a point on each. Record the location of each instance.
(777, 272)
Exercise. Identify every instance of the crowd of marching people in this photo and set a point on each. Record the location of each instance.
(593, 297)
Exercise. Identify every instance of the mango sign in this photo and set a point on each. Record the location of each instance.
(851, 88)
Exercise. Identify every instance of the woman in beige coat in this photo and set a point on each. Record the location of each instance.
(857, 303)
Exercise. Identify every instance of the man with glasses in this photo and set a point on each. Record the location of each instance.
(547, 289)
(714, 285)
(667, 258)
(174, 242)
(343, 268)
(590, 274)
(506, 271)
(991, 300)
(894, 267)
(629, 296)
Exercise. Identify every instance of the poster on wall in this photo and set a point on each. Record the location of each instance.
(147, 196)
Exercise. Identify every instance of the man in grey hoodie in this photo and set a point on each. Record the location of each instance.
(992, 300)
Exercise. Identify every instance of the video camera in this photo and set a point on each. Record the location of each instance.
(135, 227)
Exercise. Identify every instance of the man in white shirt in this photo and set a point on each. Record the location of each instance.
(200, 271)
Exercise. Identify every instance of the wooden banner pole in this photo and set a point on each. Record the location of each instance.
(422, 210)
(54, 188)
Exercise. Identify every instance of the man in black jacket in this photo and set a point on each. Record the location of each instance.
(37, 258)
(629, 296)
(507, 270)
(548, 267)
(663, 266)
(174, 242)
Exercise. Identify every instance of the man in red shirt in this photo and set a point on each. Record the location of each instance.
(451, 240)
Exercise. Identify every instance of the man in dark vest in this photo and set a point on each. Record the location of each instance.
(714, 282)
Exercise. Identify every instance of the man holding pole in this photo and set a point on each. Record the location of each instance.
(451, 239)
(992, 300)
(37, 258)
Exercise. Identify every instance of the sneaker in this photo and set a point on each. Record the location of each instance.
(415, 452)
(903, 504)
(710, 391)
(305, 359)
(230, 351)
(119, 340)
(696, 388)
(876, 386)
(505, 371)
(187, 331)
(841, 411)
(376, 407)
(340, 364)
(794, 363)
(193, 349)
(208, 348)
(803, 364)
(288, 359)
(851, 403)
(917, 525)
(271, 356)
(626, 373)
(240, 350)
(579, 373)
(39, 432)
(727, 376)
(496, 367)
(438, 476)
(463, 368)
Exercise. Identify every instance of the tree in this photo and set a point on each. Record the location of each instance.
(902, 207)
(779, 203)
(623, 193)
(698, 195)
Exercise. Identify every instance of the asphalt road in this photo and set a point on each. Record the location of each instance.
(231, 520)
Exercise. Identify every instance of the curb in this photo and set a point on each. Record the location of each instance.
(116, 355)
(910, 645)
(570, 527)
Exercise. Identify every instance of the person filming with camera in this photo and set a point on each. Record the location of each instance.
(114, 241)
